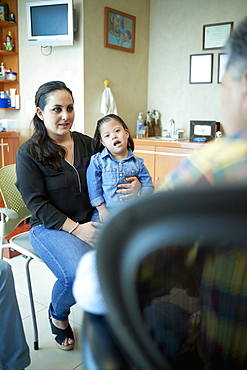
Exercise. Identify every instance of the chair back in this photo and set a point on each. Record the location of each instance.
(12, 198)
(173, 271)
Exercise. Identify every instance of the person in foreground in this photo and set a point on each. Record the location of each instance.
(51, 177)
(219, 163)
(14, 351)
(113, 163)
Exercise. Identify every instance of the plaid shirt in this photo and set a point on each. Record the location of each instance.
(217, 163)
(223, 325)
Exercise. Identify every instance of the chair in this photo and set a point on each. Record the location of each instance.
(173, 271)
(11, 216)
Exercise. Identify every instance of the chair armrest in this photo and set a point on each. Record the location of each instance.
(10, 213)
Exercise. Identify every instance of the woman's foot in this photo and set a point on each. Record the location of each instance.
(63, 325)
(64, 334)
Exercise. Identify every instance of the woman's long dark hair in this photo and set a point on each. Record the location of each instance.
(44, 149)
(97, 137)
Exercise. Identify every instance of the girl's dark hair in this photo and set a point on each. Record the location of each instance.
(97, 137)
(44, 149)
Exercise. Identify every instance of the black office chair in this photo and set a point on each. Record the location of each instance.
(173, 271)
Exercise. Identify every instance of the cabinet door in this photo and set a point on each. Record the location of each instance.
(8, 149)
(167, 160)
(148, 154)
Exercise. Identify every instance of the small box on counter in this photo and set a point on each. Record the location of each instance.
(8, 124)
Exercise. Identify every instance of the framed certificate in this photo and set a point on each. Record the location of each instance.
(201, 68)
(216, 35)
(222, 61)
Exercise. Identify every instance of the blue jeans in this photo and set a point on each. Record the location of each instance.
(61, 252)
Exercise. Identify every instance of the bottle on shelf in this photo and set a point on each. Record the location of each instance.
(145, 129)
(12, 98)
(150, 122)
(139, 127)
(157, 128)
(2, 72)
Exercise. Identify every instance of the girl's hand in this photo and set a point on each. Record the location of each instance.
(103, 215)
(88, 232)
(131, 189)
(103, 212)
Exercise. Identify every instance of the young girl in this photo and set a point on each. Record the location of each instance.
(113, 165)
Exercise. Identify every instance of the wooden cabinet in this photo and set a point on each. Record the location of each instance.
(9, 145)
(148, 154)
(10, 58)
(161, 157)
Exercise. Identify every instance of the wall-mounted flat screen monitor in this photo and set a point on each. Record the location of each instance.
(50, 23)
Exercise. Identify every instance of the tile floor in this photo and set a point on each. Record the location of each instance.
(48, 357)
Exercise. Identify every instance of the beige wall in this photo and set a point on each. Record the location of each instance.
(176, 32)
(156, 76)
(127, 72)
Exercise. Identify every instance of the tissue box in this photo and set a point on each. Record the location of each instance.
(9, 124)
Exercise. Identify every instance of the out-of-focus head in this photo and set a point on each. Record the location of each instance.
(234, 82)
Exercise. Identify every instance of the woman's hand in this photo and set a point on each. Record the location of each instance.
(88, 232)
(131, 189)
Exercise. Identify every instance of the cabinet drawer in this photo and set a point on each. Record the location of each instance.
(166, 160)
(148, 154)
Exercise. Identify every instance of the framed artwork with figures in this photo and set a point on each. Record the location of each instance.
(4, 10)
(119, 30)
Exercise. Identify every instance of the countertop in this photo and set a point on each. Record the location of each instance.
(169, 143)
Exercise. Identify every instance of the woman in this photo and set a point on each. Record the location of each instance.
(51, 176)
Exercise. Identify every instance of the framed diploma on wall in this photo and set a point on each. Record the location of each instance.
(222, 61)
(216, 35)
(201, 68)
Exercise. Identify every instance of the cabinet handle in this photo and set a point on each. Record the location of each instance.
(156, 178)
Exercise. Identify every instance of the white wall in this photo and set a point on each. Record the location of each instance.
(176, 28)
(64, 63)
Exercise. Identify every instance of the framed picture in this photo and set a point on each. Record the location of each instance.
(202, 130)
(4, 12)
(201, 71)
(119, 30)
(222, 60)
(216, 35)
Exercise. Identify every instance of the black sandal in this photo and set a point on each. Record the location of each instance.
(62, 334)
